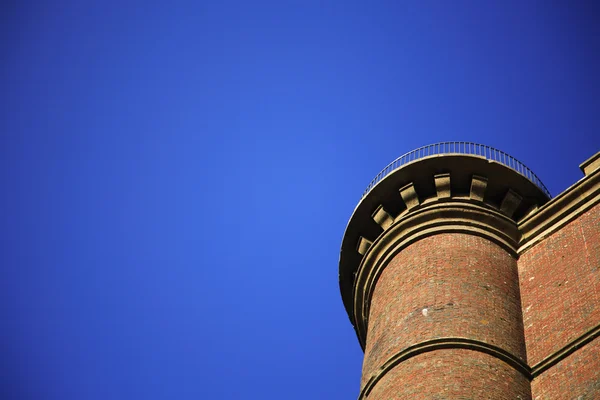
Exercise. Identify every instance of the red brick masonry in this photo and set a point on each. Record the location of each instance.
(560, 293)
(446, 285)
(454, 285)
(461, 295)
(452, 374)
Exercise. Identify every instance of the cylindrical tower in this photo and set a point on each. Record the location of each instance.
(428, 275)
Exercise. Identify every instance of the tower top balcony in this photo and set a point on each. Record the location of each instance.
(463, 148)
(441, 181)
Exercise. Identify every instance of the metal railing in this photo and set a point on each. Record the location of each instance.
(469, 148)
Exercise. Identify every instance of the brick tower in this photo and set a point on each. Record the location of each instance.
(464, 280)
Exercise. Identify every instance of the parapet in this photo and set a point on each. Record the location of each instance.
(451, 186)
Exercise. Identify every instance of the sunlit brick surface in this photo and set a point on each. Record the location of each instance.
(575, 377)
(464, 281)
(452, 374)
(446, 285)
(560, 286)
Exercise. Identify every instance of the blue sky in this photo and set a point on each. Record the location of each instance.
(177, 176)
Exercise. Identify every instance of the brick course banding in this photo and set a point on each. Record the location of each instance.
(452, 374)
(445, 285)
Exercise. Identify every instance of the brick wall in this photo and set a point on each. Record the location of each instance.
(560, 292)
(455, 315)
(575, 377)
(446, 285)
(452, 374)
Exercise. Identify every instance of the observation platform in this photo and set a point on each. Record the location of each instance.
(444, 177)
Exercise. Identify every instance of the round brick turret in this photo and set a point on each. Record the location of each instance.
(428, 275)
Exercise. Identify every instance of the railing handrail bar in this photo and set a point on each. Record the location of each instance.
(469, 148)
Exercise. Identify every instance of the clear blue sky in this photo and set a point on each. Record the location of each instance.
(176, 178)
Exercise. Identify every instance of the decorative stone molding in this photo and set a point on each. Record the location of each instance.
(442, 185)
(561, 210)
(382, 217)
(409, 195)
(363, 245)
(511, 201)
(591, 164)
(444, 343)
(478, 186)
(566, 351)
